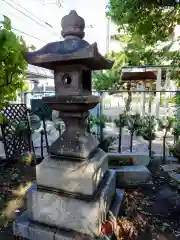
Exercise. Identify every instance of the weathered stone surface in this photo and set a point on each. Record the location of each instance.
(132, 175)
(174, 179)
(170, 167)
(138, 158)
(117, 203)
(72, 176)
(71, 235)
(41, 233)
(21, 226)
(36, 231)
(71, 213)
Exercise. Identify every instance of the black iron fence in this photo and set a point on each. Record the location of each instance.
(159, 104)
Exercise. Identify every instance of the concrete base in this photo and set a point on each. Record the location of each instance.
(138, 158)
(174, 179)
(33, 231)
(170, 167)
(72, 176)
(132, 175)
(67, 212)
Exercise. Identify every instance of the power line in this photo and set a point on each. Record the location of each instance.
(31, 18)
(28, 35)
(32, 14)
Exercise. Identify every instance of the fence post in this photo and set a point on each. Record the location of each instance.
(101, 112)
(25, 98)
(158, 89)
(143, 88)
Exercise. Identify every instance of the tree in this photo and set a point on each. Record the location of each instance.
(165, 123)
(153, 20)
(120, 122)
(135, 52)
(147, 130)
(12, 63)
(106, 80)
(133, 124)
(153, 23)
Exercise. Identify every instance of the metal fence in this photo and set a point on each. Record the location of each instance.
(158, 103)
(112, 103)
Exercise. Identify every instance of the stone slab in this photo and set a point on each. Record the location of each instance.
(148, 184)
(131, 175)
(117, 203)
(72, 176)
(21, 226)
(170, 167)
(35, 231)
(138, 158)
(174, 179)
(79, 215)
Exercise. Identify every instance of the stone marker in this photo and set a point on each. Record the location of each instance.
(74, 189)
(132, 175)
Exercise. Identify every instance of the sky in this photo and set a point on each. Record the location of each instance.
(41, 11)
(93, 12)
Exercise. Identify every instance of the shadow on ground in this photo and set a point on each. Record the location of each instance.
(151, 214)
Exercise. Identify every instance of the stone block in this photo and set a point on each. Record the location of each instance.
(170, 167)
(117, 203)
(41, 233)
(132, 175)
(174, 179)
(36, 231)
(67, 212)
(71, 235)
(138, 158)
(21, 226)
(73, 176)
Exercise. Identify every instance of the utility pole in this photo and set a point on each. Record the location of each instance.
(107, 35)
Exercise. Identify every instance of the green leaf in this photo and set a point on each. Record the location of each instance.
(7, 23)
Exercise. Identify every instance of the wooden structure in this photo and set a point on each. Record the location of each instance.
(148, 78)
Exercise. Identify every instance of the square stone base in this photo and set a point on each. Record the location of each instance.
(26, 229)
(72, 176)
(68, 212)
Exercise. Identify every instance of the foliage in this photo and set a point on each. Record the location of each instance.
(12, 63)
(19, 129)
(121, 121)
(175, 150)
(134, 53)
(106, 80)
(153, 20)
(148, 34)
(35, 122)
(133, 124)
(176, 133)
(147, 130)
(166, 123)
(89, 123)
(106, 143)
(101, 121)
(121, 161)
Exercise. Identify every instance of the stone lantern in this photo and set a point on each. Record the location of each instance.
(74, 187)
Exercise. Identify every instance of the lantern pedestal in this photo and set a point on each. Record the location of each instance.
(75, 190)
